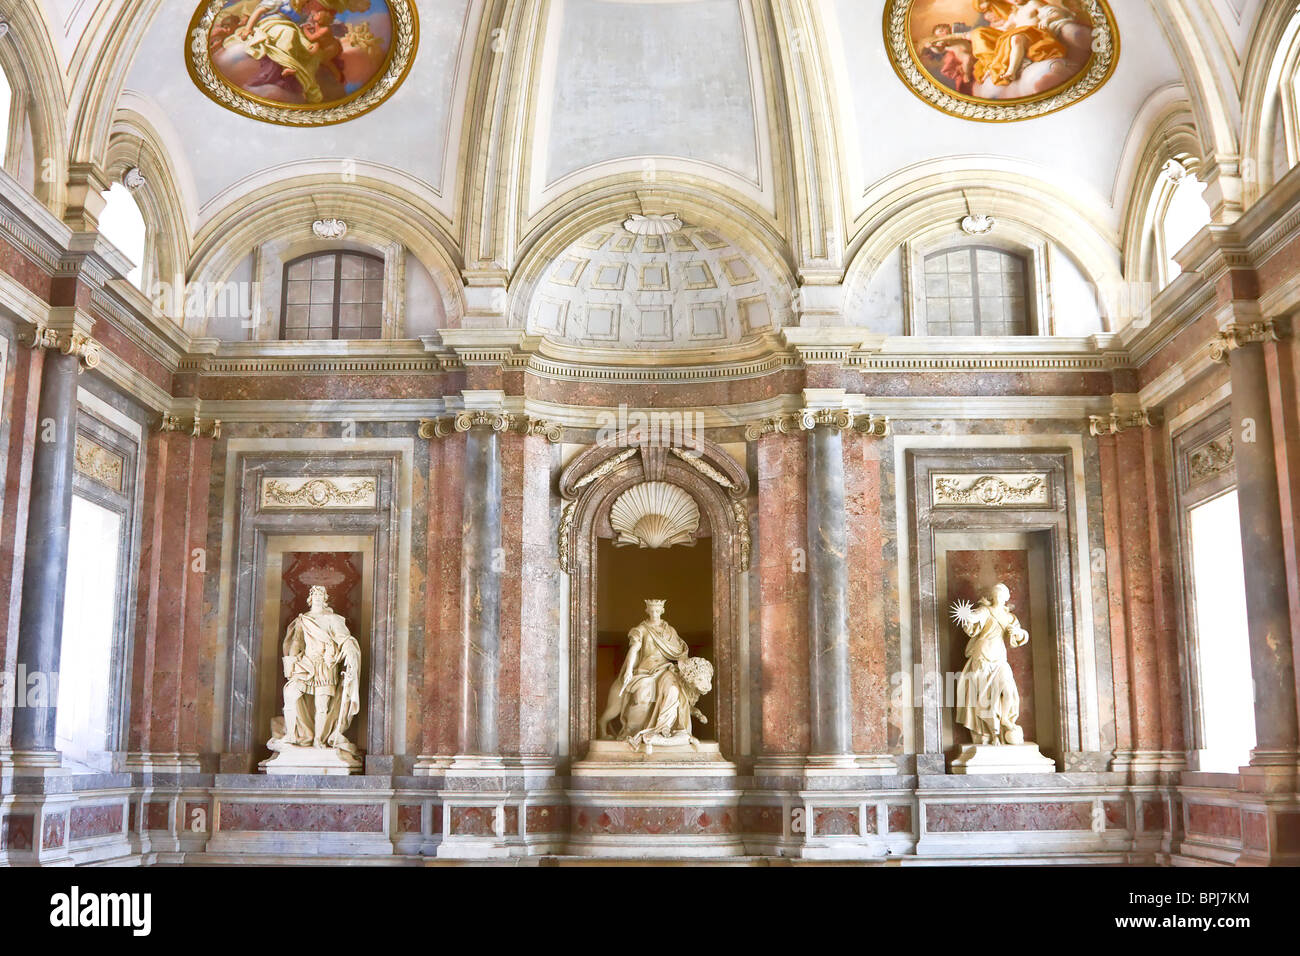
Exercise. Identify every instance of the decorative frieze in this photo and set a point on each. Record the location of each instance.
(840, 419)
(497, 421)
(349, 492)
(1003, 490)
(97, 463)
(1240, 334)
(196, 426)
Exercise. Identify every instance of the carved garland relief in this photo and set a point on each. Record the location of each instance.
(319, 493)
(990, 491)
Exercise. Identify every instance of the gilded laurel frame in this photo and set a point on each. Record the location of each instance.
(401, 57)
(907, 64)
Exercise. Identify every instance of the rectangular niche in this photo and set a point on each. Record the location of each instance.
(982, 517)
(967, 566)
(344, 565)
(304, 520)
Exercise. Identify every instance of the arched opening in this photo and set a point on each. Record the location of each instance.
(122, 224)
(700, 575)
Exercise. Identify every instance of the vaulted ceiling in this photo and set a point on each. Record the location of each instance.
(518, 116)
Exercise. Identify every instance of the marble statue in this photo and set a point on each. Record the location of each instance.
(322, 673)
(988, 702)
(655, 694)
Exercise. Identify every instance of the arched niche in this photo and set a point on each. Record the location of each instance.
(590, 486)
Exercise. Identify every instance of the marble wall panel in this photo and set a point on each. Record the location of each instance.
(85, 823)
(308, 817)
(983, 817)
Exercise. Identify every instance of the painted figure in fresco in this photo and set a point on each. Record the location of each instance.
(294, 40)
(1022, 32)
(656, 691)
(988, 702)
(957, 55)
(322, 667)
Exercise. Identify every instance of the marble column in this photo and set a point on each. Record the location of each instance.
(480, 592)
(828, 607)
(45, 569)
(1277, 733)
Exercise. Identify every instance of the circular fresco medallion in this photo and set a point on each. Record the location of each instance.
(302, 62)
(1001, 60)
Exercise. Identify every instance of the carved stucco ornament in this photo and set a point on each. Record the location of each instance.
(990, 491)
(498, 421)
(1240, 334)
(319, 493)
(840, 419)
(655, 514)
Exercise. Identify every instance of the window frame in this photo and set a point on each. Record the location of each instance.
(973, 249)
(1188, 495)
(337, 255)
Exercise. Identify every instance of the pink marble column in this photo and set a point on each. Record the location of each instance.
(1164, 558)
(1139, 599)
(23, 393)
(783, 571)
(1112, 521)
(510, 564)
(868, 670)
(169, 638)
(440, 703)
(1283, 362)
(539, 607)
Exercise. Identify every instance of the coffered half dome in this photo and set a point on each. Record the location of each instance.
(653, 283)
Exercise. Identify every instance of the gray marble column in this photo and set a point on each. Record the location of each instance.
(828, 597)
(480, 597)
(1277, 736)
(45, 567)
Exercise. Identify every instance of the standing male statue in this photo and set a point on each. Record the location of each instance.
(656, 691)
(988, 702)
(322, 669)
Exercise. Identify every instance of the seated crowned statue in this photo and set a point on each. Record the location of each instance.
(655, 694)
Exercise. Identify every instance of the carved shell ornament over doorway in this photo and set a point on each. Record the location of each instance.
(301, 62)
(1000, 61)
(655, 514)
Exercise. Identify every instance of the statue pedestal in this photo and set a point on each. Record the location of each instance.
(1002, 759)
(311, 761)
(617, 758)
(677, 802)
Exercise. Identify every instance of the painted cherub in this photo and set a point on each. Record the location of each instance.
(958, 56)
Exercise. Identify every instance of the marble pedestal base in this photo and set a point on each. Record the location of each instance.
(1003, 759)
(676, 802)
(311, 761)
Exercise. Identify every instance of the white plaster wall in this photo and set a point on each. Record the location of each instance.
(652, 79)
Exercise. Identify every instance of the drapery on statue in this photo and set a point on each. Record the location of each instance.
(988, 703)
(656, 691)
(319, 702)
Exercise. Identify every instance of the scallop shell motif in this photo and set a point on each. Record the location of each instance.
(655, 514)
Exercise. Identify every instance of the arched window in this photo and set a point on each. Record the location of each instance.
(122, 224)
(333, 295)
(1180, 213)
(976, 290)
